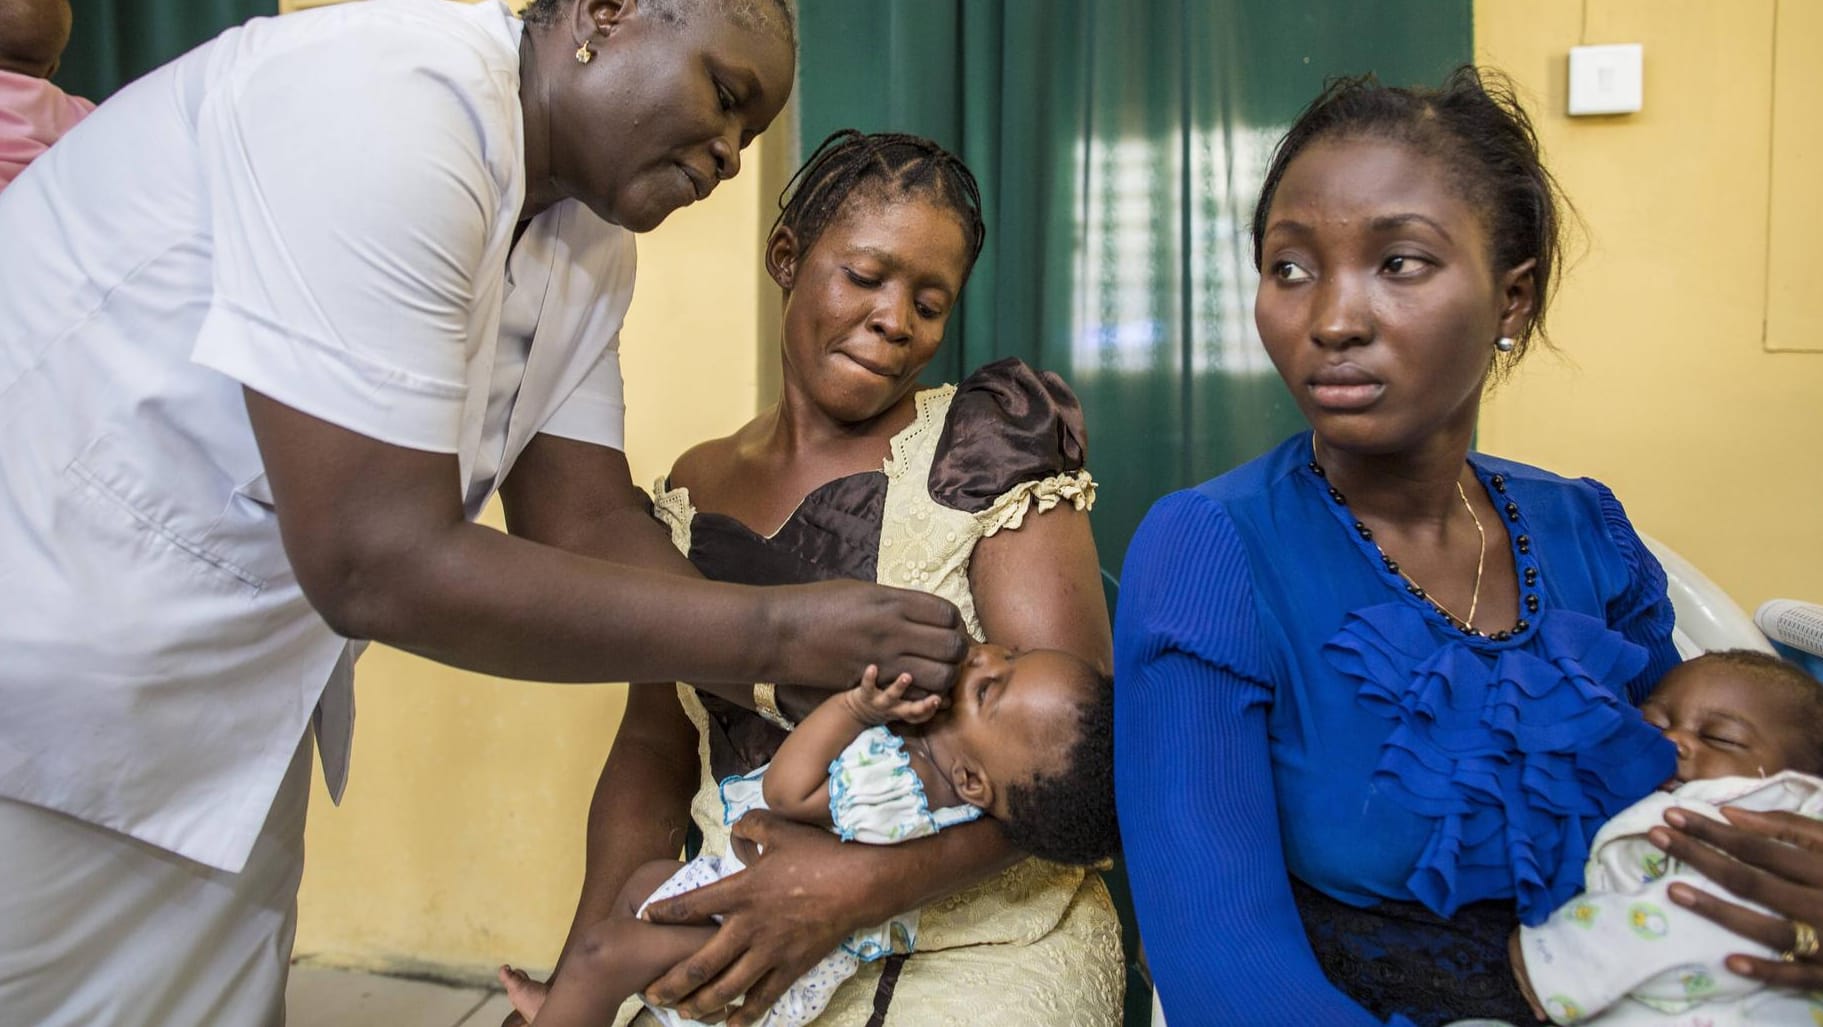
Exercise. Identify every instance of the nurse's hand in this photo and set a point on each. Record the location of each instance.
(1774, 859)
(827, 633)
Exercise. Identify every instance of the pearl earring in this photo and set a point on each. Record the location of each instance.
(1504, 344)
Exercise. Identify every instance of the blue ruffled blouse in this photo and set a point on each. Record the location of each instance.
(1408, 761)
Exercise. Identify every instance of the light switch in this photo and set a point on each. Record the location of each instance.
(1607, 79)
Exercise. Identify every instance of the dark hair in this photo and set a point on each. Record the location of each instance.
(888, 165)
(1068, 816)
(33, 37)
(780, 15)
(1769, 671)
(1475, 125)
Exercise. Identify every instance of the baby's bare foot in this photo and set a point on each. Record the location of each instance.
(526, 995)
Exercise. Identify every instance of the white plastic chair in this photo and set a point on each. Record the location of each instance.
(1706, 617)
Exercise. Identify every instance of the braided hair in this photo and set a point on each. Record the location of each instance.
(880, 165)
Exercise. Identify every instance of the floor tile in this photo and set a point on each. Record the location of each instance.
(490, 1014)
(333, 998)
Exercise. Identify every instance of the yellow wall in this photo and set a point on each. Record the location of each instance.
(459, 842)
(1665, 388)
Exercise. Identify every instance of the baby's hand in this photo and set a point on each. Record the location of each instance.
(873, 704)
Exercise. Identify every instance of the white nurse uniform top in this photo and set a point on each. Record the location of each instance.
(319, 207)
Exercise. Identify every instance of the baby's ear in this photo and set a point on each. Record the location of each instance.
(972, 784)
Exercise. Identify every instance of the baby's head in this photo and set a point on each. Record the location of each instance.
(1739, 713)
(1029, 738)
(33, 34)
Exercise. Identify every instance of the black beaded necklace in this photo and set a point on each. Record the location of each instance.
(1522, 543)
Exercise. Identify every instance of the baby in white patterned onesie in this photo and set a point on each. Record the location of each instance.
(1749, 733)
(1025, 739)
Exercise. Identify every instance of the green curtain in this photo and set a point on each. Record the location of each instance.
(1120, 146)
(114, 42)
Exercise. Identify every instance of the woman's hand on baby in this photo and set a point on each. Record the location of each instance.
(872, 703)
(1774, 859)
(827, 631)
(803, 891)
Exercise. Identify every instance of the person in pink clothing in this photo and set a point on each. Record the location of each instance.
(33, 112)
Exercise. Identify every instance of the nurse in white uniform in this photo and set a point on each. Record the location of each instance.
(275, 322)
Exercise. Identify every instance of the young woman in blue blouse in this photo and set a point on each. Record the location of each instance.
(1376, 693)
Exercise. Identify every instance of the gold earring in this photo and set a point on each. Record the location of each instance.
(583, 54)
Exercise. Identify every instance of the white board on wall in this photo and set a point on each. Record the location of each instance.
(1795, 208)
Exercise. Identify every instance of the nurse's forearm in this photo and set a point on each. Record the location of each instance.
(478, 599)
(482, 600)
(377, 538)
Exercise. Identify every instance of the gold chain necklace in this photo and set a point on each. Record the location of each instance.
(1467, 624)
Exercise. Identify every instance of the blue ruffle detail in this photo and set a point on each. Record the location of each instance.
(1515, 752)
